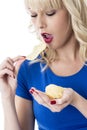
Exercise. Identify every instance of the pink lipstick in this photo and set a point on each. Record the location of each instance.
(47, 37)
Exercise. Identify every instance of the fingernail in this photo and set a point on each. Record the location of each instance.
(31, 91)
(52, 102)
(24, 56)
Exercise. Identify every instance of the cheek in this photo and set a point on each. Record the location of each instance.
(60, 27)
(61, 22)
(33, 21)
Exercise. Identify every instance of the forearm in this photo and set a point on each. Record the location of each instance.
(10, 116)
(80, 103)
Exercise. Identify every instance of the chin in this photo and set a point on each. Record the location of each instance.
(53, 47)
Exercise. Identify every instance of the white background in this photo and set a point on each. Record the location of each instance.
(15, 38)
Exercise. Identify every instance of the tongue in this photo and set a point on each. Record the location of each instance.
(48, 36)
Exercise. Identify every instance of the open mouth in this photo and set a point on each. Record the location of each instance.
(47, 37)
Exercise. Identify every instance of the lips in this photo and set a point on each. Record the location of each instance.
(47, 37)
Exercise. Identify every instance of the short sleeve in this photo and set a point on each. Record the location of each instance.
(22, 89)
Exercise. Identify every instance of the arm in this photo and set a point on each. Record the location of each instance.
(25, 113)
(20, 118)
(10, 116)
(7, 89)
(80, 103)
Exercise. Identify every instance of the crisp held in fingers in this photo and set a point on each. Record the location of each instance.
(54, 91)
(36, 51)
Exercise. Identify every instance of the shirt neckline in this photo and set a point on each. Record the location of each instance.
(68, 76)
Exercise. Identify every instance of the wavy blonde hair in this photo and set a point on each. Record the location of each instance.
(77, 10)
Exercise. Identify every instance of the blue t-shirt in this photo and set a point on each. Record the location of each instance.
(30, 75)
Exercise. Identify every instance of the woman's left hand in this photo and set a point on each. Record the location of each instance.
(55, 105)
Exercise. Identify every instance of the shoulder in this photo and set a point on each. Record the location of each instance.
(30, 66)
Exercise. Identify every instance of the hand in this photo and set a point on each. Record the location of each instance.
(8, 72)
(55, 105)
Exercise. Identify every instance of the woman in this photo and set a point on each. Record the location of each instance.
(62, 25)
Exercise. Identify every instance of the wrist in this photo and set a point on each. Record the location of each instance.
(80, 103)
(8, 105)
(8, 95)
(6, 99)
(77, 100)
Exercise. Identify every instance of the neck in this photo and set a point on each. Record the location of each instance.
(70, 51)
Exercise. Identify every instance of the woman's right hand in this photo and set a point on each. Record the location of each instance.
(8, 72)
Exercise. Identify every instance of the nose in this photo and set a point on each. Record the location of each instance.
(41, 22)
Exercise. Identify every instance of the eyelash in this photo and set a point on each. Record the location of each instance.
(48, 14)
(51, 14)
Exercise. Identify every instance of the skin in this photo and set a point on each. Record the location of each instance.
(17, 119)
(67, 48)
(44, 23)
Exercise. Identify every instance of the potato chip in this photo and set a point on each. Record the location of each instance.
(36, 51)
(54, 91)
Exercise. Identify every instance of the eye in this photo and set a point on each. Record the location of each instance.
(33, 15)
(51, 13)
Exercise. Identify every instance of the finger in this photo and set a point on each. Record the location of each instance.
(61, 101)
(43, 99)
(67, 96)
(8, 62)
(43, 95)
(9, 66)
(17, 62)
(7, 72)
(56, 107)
(38, 97)
(17, 65)
(60, 107)
(15, 59)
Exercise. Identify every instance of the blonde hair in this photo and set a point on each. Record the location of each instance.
(77, 10)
